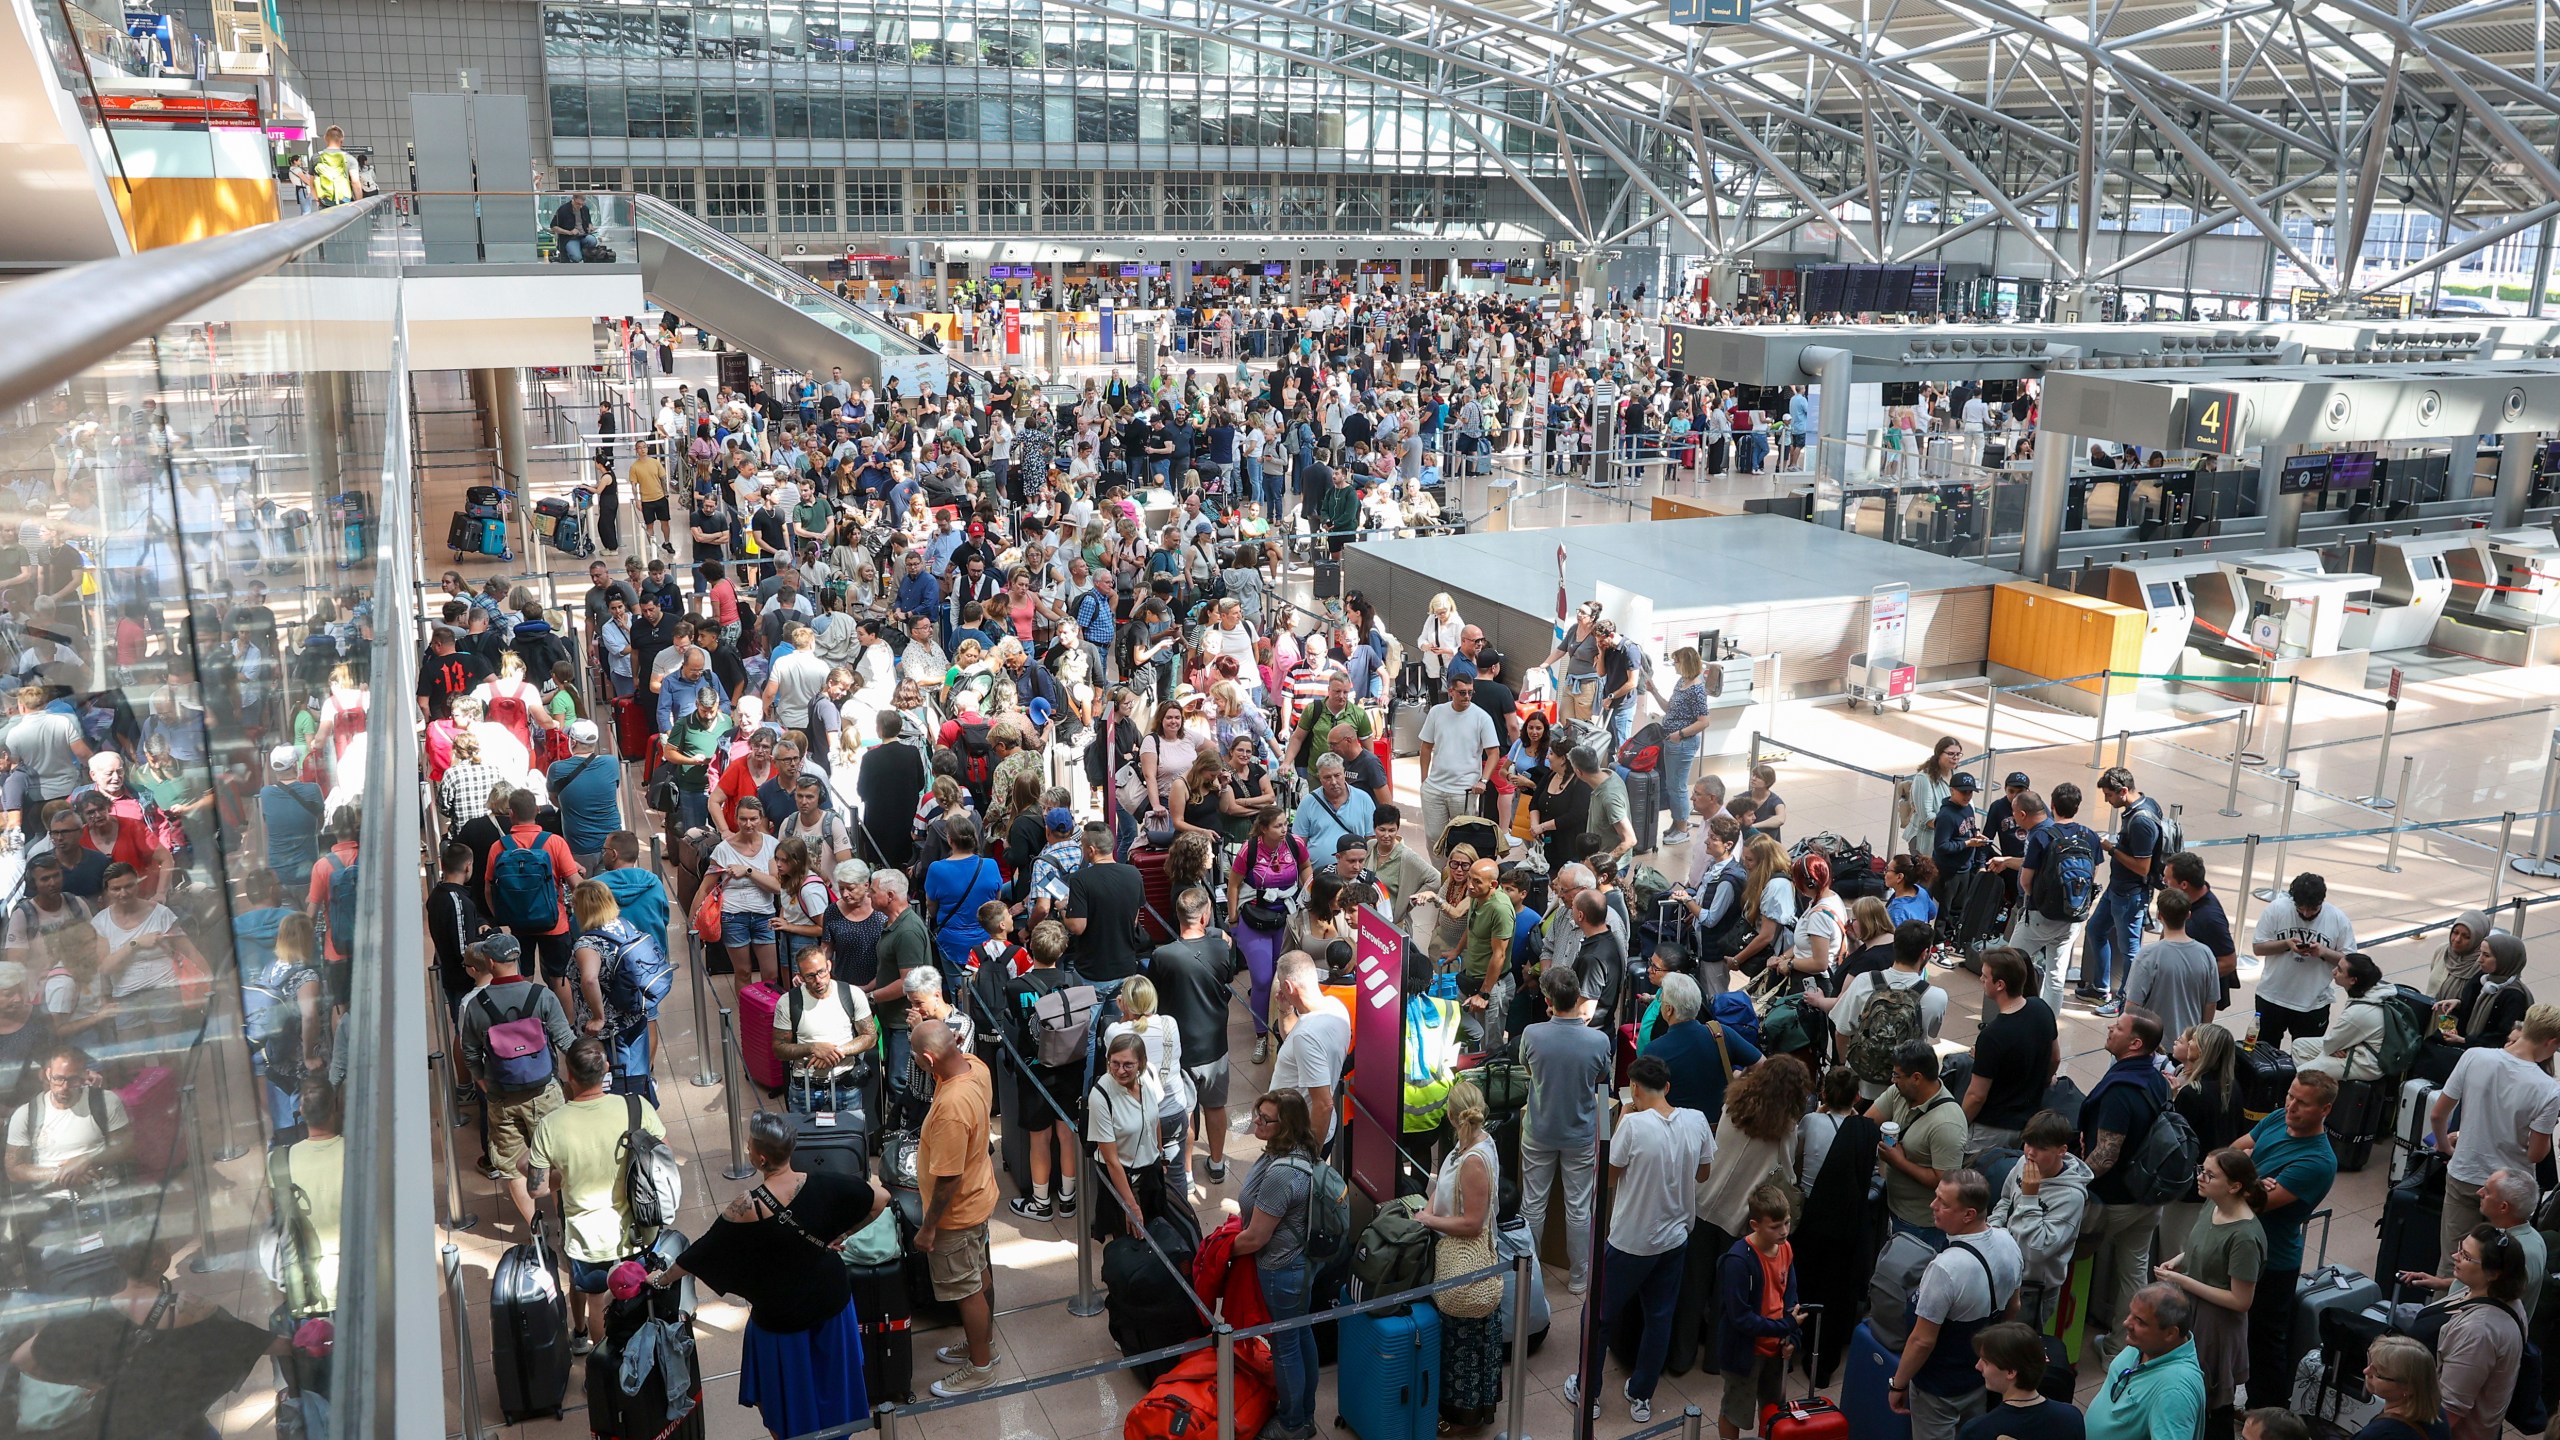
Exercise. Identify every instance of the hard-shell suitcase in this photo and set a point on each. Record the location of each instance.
(836, 1143)
(646, 1414)
(633, 728)
(1388, 1379)
(354, 520)
(1328, 580)
(888, 1329)
(2412, 1223)
(1810, 1418)
(463, 534)
(151, 1107)
(2409, 1126)
(529, 1333)
(1156, 917)
(484, 502)
(2356, 1121)
(1866, 1376)
(2266, 1072)
(756, 1004)
(2324, 1287)
(1644, 809)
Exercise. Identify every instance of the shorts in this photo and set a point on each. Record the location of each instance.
(958, 1263)
(511, 1125)
(552, 952)
(655, 512)
(1745, 1395)
(589, 1277)
(1210, 1083)
(736, 930)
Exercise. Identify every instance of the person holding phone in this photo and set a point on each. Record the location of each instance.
(2301, 938)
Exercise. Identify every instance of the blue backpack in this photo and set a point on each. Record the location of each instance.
(343, 879)
(522, 889)
(1733, 1011)
(637, 974)
(2067, 883)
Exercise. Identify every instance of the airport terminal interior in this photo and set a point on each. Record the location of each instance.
(1222, 719)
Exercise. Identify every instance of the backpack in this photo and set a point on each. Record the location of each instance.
(637, 973)
(2067, 882)
(1716, 944)
(1061, 1022)
(2173, 838)
(522, 888)
(977, 755)
(2162, 1167)
(507, 707)
(1892, 1015)
(343, 879)
(651, 1173)
(274, 1019)
(2396, 1046)
(519, 1047)
(1733, 1010)
(1395, 1252)
(1642, 754)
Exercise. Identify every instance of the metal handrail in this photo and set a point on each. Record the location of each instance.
(130, 297)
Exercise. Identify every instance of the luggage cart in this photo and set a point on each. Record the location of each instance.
(1884, 680)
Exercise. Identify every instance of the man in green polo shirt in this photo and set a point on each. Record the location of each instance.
(904, 945)
(1484, 954)
(690, 746)
(2154, 1388)
(1336, 708)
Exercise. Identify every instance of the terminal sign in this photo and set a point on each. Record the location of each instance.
(2213, 421)
(1710, 12)
(1677, 343)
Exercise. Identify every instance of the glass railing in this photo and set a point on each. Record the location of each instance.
(211, 1076)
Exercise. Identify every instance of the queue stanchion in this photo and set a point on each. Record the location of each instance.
(466, 1357)
(703, 1078)
(2284, 832)
(2283, 768)
(2098, 740)
(1087, 1301)
(886, 1419)
(1693, 1423)
(1524, 1273)
(2399, 817)
(2124, 743)
(738, 1169)
(1226, 1391)
(2541, 862)
(2239, 756)
(2248, 874)
(2382, 762)
(1990, 720)
(2506, 847)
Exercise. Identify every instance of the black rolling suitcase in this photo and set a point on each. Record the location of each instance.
(1145, 1307)
(888, 1330)
(648, 1413)
(529, 1333)
(2412, 1224)
(1644, 809)
(2266, 1072)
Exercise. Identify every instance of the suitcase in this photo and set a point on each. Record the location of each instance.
(1388, 1378)
(633, 728)
(1811, 1418)
(151, 1106)
(837, 1144)
(2061, 1378)
(888, 1330)
(2411, 1227)
(2356, 1120)
(897, 1172)
(484, 502)
(1328, 580)
(614, 1415)
(1510, 1242)
(463, 534)
(2409, 1127)
(2326, 1287)
(1644, 809)
(1156, 916)
(2266, 1072)
(2317, 1396)
(353, 520)
(1183, 1403)
(756, 1004)
(1865, 1376)
(529, 1333)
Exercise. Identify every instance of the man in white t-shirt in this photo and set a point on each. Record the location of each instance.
(821, 1030)
(1459, 748)
(1657, 1159)
(2509, 1108)
(1318, 1046)
(73, 1133)
(2299, 940)
(1966, 1288)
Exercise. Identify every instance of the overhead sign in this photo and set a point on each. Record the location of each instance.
(1710, 12)
(181, 109)
(1677, 341)
(2213, 422)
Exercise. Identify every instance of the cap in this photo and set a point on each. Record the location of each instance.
(1964, 781)
(1059, 817)
(583, 732)
(13, 976)
(627, 1280)
(2018, 780)
(284, 757)
(501, 949)
(977, 530)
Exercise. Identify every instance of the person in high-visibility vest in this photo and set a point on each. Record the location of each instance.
(1430, 1058)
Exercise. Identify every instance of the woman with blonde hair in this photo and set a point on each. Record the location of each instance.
(1163, 1039)
(1437, 643)
(1768, 904)
(464, 791)
(1461, 1215)
(2401, 1373)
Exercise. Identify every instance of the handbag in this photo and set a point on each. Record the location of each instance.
(1453, 1257)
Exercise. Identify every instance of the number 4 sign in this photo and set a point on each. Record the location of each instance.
(2213, 421)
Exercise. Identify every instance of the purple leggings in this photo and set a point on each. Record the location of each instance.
(1261, 950)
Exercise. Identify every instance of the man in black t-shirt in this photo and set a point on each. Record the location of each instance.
(1194, 976)
(2207, 924)
(447, 672)
(2014, 1058)
(1103, 901)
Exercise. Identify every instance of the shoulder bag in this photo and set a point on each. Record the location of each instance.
(1454, 1256)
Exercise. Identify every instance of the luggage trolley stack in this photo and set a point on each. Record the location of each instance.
(1879, 674)
(480, 528)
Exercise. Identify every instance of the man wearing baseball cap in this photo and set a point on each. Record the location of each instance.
(1960, 846)
(292, 809)
(587, 789)
(528, 1088)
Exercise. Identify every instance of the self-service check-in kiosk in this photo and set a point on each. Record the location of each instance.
(2163, 590)
(2276, 614)
(2505, 604)
(2403, 612)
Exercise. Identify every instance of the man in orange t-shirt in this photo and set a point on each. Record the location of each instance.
(549, 942)
(959, 1185)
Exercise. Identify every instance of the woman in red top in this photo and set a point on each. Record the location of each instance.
(747, 773)
(120, 839)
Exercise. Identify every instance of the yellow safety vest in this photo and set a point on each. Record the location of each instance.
(1430, 1056)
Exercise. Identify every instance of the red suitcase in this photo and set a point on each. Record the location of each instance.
(1811, 1418)
(1157, 916)
(151, 1106)
(756, 1004)
(632, 728)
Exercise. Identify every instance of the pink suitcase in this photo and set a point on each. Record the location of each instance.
(756, 1004)
(151, 1104)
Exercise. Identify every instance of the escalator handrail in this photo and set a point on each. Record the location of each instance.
(650, 211)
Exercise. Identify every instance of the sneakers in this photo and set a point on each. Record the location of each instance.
(2110, 1010)
(967, 1380)
(1066, 1207)
(1573, 1395)
(1640, 1411)
(959, 1355)
(1677, 837)
(1261, 1049)
(580, 1343)
(1027, 1208)
(1216, 1170)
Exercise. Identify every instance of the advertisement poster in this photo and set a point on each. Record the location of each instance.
(1377, 1056)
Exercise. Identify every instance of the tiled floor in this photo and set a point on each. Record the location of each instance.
(2479, 738)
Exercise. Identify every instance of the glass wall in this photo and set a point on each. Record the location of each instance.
(197, 604)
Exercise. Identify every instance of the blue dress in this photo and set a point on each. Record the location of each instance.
(801, 1361)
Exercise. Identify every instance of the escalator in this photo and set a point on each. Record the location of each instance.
(772, 311)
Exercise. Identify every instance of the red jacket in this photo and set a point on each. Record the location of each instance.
(1229, 1280)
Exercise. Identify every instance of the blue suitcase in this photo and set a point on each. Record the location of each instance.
(1865, 1377)
(1388, 1380)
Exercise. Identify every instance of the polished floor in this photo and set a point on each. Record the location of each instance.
(2479, 739)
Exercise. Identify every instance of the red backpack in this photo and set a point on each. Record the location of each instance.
(1184, 1404)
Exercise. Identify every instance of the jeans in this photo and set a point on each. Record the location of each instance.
(575, 247)
(802, 1095)
(1622, 720)
(894, 1066)
(631, 1067)
(2045, 942)
(1293, 1352)
(1538, 1169)
(2114, 933)
(1677, 759)
(1651, 1282)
